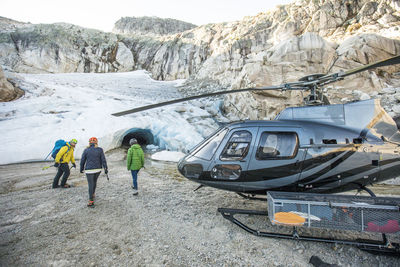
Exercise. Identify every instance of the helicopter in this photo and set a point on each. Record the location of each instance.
(310, 152)
(313, 148)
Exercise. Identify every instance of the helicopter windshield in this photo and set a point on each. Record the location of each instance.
(207, 150)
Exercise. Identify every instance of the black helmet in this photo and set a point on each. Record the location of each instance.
(132, 141)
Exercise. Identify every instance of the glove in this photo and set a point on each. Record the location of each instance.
(56, 164)
(106, 171)
(81, 171)
(74, 165)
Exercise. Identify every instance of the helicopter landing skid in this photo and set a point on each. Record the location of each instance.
(372, 246)
(251, 197)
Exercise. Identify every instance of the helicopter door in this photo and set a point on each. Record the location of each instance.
(232, 158)
(276, 160)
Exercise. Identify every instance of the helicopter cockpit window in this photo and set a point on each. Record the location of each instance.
(209, 148)
(277, 145)
(237, 146)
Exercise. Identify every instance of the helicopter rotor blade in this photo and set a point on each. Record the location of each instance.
(286, 86)
(333, 77)
(382, 63)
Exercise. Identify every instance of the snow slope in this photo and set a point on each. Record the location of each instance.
(79, 105)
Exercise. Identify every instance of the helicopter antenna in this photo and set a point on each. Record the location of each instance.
(310, 83)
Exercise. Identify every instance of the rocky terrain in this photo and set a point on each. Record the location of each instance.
(150, 25)
(277, 46)
(167, 224)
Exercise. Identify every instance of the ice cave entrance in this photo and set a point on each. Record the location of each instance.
(143, 136)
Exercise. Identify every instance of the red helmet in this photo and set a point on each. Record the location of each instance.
(93, 140)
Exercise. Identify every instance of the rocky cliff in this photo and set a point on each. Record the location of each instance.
(150, 25)
(57, 48)
(280, 45)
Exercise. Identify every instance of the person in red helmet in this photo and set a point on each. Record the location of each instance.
(92, 161)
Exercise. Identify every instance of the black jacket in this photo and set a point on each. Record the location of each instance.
(93, 158)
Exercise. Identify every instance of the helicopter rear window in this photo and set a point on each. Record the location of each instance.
(237, 146)
(277, 145)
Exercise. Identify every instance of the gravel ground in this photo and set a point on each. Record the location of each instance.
(167, 224)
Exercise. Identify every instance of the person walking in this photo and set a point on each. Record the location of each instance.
(92, 160)
(134, 162)
(65, 155)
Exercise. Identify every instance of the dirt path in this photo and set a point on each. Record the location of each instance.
(167, 224)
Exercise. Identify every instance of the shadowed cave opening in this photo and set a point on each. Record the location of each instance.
(143, 136)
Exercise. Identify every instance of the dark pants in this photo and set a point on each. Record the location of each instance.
(62, 169)
(92, 182)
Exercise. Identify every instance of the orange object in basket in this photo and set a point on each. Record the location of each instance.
(288, 218)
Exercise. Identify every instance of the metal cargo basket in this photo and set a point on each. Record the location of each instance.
(343, 212)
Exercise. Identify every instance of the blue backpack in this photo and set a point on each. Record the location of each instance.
(57, 146)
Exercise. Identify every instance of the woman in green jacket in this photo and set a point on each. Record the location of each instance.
(134, 162)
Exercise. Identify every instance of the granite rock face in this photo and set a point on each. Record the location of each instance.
(58, 48)
(281, 45)
(150, 25)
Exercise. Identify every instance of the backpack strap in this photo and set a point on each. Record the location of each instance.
(68, 148)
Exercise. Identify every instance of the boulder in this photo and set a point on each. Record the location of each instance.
(7, 90)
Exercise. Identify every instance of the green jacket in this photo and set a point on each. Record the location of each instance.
(135, 158)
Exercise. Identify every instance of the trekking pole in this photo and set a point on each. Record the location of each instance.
(47, 155)
(46, 167)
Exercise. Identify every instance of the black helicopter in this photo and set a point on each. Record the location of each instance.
(314, 148)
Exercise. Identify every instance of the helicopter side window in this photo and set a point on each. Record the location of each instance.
(237, 146)
(277, 145)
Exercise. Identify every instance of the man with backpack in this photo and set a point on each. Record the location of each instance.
(65, 155)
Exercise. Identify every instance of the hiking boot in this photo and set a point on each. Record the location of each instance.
(56, 186)
(90, 204)
(66, 186)
(135, 192)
